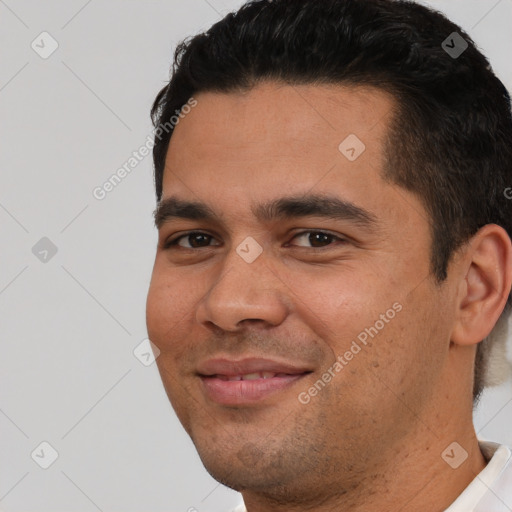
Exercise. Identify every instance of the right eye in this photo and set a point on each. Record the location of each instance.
(196, 240)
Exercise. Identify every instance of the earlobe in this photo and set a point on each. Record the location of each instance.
(485, 284)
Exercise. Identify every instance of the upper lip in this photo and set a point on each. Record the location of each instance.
(233, 367)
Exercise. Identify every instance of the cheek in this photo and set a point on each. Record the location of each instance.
(364, 319)
(340, 303)
(407, 355)
(170, 305)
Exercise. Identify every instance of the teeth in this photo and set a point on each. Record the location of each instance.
(250, 376)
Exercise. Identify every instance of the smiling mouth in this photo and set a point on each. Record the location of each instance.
(247, 389)
(247, 381)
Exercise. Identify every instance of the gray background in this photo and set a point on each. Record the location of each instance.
(69, 325)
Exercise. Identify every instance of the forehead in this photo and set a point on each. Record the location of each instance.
(300, 123)
(280, 120)
(276, 140)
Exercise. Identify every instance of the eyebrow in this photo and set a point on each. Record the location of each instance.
(284, 208)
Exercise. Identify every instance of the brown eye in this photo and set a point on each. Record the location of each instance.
(317, 238)
(195, 240)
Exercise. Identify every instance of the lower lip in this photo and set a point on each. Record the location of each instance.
(242, 392)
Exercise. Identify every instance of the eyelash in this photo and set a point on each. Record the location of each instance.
(174, 242)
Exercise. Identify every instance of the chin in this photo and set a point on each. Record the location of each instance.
(264, 468)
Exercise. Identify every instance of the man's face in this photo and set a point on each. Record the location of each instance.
(339, 310)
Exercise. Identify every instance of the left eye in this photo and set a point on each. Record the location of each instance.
(317, 237)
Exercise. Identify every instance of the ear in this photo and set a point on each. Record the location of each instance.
(484, 284)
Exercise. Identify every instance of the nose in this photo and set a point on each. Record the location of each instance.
(244, 293)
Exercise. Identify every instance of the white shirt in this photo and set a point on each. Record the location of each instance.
(490, 491)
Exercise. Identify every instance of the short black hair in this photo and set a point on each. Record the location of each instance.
(450, 139)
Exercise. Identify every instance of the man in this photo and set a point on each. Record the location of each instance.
(334, 251)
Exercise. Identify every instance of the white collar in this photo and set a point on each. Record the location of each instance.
(498, 456)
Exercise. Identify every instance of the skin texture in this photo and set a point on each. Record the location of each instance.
(372, 438)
